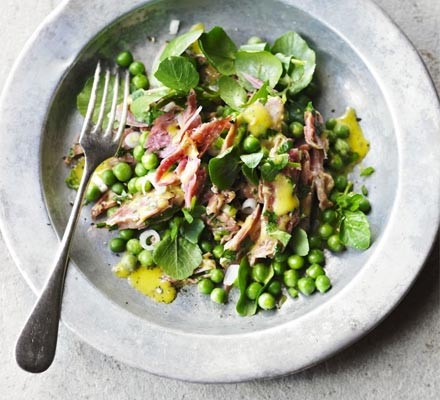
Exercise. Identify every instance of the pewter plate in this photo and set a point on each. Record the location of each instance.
(363, 61)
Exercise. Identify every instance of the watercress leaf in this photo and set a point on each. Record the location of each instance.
(232, 93)
(219, 49)
(177, 257)
(261, 65)
(281, 236)
(250, 174)
(143, 99)
(245, 307)
(300, 242)
(303, 60)
(224, 168)
(260, 94)
(367, 171)
(82, 100)
(349, 201)
(252, 160)
(355, 230)
(178, 73)
(187, 215)
(191, 231)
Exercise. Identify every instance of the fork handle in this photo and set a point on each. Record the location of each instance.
(36, 345)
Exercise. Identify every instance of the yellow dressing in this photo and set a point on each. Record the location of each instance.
(173, 129)
(285, 200)
(195, 47)
(150, 283)
(356, 139)
(258, 118)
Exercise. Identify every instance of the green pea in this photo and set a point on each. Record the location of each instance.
(341, 182)
(291, 277)
(330, 123)
(93, 193)
(150, 161)
(323, 283)
(316, 256)
(108, 177)
(336, 162)
(314, 271)
(206, 246)
(266, 301)
(315, 242)
(293, 292)
(140, 170)
(205, 286)
(278, 267)
(296, 129)
(126, 234)
(122, 171)
(128, 262)
(260, 272)
(331, 135)
(134, 246)
(124, 59)
(342, 131)
(329, 216)
(143, 138)
(132, 185)
(253, 290)
(281, 257)
(251, 144)
(218, 251)
(274, 288)
(365, 205)
(117, 245)
(255, 40)
(111, 211)
(325, 230)
(118, 188)
(334, 195)
(145, 257)
(219, 295)
(217, 275)
(138, 152)
(140, 81)
(306, 285)
(143, 184)
(334, 243)
(137, 68)
(295, 261)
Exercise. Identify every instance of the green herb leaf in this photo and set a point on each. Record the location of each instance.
(349, 201)
(355, 230)
(303, 60)
(281, 236)
(178, 73)
(82, 100)
(250, 174)
(191, 231)
(367, 171)
(300, 242)
(187, 215)
(261, 65)
(252, 160)
(260, 94)
(232, 93)
(219, 49)
(364, 190)
(224, 168)
(143, 99)
(178, 258)
(255, 47)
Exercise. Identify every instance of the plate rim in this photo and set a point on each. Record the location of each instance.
(244, 368)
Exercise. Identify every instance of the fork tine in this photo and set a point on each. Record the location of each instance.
(112, 116)
(124, 113)
(91, 107)
(103, 102)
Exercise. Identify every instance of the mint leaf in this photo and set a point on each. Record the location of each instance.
(252, 160)
(261, 65)
(300, 242)
(178, 258)
(178, 73)
(219, 49)
(355, 230)
(232, 93)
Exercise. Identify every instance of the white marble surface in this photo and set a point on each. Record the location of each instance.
(398, 360)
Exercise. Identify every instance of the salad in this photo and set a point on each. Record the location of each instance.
(228, 177)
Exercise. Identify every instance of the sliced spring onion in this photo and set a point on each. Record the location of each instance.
(149, 239)
(249, 205)
(174, 26)
(231, 275)
(132, 140)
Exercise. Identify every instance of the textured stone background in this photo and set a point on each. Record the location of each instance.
(398, 360)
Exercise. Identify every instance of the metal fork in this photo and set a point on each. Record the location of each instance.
(36, 345)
